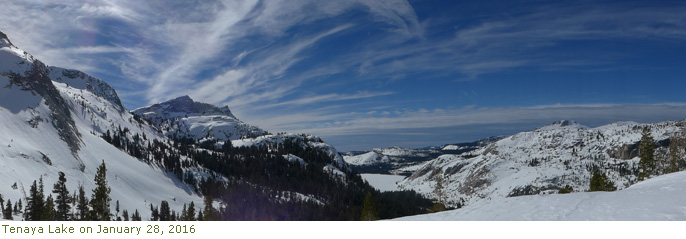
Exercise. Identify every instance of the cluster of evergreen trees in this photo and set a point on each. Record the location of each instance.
(655, 163)
(65, 206)
(257, 183)
(7, 210)
(651, 162)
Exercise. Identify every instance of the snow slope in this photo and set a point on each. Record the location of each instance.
(541, 161)
(659, 198)
(52, 122)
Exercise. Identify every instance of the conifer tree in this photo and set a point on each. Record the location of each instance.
(49, 210)
(600, 182)
(136, 216)
(164, 211)
(35, 202)
(191, 212)
(200, 216)
(646, 149)
(82, 204)
(368, 209)
(7, 214)
(675, 155)
(125, 215)
(116, 209)
(100, 200)
(184, 213)
(63, 199)
(440, 193)
(209, 211)
(154, 213)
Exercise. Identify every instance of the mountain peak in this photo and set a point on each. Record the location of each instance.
(568, 124)
(184, 98)
(183, 106)
(3, 36)
(4, 40)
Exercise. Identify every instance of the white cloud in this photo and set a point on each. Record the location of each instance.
(593, 114)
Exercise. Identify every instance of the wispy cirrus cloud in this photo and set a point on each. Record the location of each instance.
(329, 67)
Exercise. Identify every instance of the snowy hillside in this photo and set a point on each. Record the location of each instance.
(404, 161)
(389, 160)
(659, 198)
(52, 120)
(184, 117)
(541, 161)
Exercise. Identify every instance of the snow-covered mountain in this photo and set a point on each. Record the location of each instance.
(542, 161)
(404, 161)
(392, 160)
(183, 117)
(60, 120)
(52, 121)
(659, 198)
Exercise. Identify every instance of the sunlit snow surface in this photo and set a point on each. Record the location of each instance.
(383, 182)
(660, 198)
(31, 147)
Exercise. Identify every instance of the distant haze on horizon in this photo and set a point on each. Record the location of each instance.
(364, 74)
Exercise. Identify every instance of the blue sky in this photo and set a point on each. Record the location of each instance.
(364, 74)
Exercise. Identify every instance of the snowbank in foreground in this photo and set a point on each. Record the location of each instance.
(660, 198)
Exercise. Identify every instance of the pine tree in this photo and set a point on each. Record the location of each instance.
(100, 200)
(7, 214)
(154, 213)
(116, 209)
(566, 189)
(675, 158)
(125, 215)
(63, 199)
(136, 216)
(439, 192)
(600, 182)
(209, 211)
(164, 211)
(368, 209)
(200, 216)
(191, 212)
(49, 210)
(184, 213)
(646, 148)
(82, 204)
(35, 203)
(18, 207)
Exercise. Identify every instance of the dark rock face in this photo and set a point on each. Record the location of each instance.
(37, 80)
(3, 36)
(625, 152)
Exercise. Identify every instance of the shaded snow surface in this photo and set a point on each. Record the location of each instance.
(660, 198)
